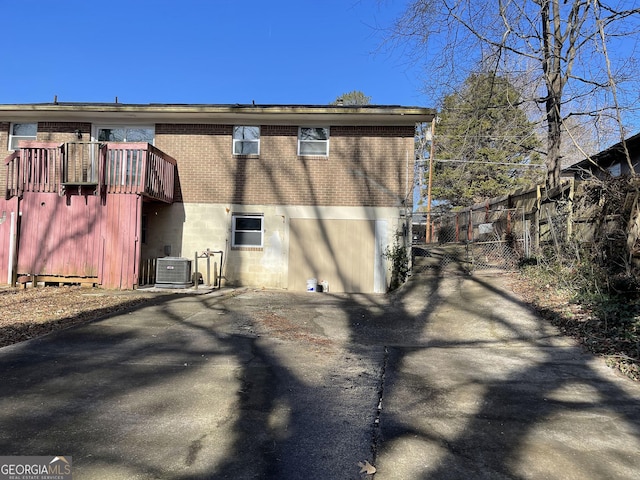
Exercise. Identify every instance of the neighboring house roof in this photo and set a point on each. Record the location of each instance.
(189, 113)
(607, 157)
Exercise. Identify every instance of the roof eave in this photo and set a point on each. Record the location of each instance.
(178, 113)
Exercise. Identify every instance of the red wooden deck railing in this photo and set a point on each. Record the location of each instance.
(113, 167)
(34, 168)
(139, 168)
(13, 175)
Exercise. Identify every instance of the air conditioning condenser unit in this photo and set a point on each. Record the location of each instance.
(173, 272)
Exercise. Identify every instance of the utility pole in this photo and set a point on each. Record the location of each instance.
(431, 154)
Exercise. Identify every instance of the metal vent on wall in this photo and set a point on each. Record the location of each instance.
(173, 272)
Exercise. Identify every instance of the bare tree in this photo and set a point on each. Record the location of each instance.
(569, 41)
(355, 97)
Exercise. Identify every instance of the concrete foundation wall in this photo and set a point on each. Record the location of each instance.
(184, 229)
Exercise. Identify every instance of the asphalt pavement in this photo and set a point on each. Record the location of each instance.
(451, 377)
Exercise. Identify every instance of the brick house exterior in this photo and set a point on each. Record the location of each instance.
(611, 161)
(278, 215)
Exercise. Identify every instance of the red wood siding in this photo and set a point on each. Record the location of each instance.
(77, 236)
(6, 208)
(121, 246)
(66, 231)
(55, 238)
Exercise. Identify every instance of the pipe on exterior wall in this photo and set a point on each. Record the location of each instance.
(208, 254)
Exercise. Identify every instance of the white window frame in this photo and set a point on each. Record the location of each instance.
(235, 230)
(309, 141)
(238, 142)
(14, 139)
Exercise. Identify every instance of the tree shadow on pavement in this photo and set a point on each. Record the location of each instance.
(492, 391)
(449, 377)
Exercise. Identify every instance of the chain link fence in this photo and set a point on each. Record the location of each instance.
(587, 219)
(503, 232)
(486, 239)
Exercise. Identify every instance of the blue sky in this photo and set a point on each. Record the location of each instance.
(199, 51)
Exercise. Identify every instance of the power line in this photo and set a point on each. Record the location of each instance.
(424, 162)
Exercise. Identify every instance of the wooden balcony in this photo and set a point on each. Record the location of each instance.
(91, 168)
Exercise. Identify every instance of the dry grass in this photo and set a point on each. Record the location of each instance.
(614, 339)
(32, 312)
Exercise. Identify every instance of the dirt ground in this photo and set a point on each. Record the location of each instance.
(31, 312)
(614, 343)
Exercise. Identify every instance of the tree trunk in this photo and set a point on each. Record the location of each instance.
(552, 50)
(554, 135)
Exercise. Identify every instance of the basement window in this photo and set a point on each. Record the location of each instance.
(247, 230)
(21, 131)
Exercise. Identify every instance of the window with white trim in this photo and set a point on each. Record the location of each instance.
(247, 230)
(246, 140)
(313, 141)
(22, 131)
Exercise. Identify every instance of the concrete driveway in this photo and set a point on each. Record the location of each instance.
(449, 378)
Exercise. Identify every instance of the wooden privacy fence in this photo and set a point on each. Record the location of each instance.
(505, 230)
(534, 211)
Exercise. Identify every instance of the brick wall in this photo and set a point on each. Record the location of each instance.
(366, 166)
(63, 131)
